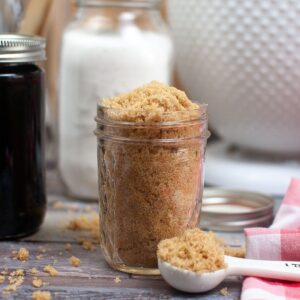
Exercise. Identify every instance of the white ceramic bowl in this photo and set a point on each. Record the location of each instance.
(243, 59)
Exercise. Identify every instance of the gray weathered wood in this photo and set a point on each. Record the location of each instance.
(94, 279)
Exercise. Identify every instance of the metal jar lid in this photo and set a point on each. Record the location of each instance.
(16, 48)
(229, 210)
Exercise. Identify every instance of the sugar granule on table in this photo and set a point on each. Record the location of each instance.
(4, 272)
(17, 272)
(74, 261)
(15, 279)
(117, 279)
(23, 254)
(42, 249)
(37, 282)
(224, 291)
(33, 271)
(68, 247)
(88, 245)
(89, 223)
(41, 295)
(50, 270)
(2, 278)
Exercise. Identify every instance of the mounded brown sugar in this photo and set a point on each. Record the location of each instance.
(194, 250)
(149, 190)
(151, 102)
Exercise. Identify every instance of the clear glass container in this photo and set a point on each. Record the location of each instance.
(110, 48)
(150, 184)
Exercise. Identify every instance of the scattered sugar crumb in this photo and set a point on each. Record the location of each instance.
(235, 251)
(68, 247)
(15, 279)
(42, 249)
(2, 278)
(17, 272)
(41, 295)
(88, 223)
(37, 282)
(39, 257)
(74, 261)
(84, 223)
(117, 279)
(23, 254)
(60, 253)
(88, 245)
(50, 270)
(33, 271)
(224, 291)
(4, 272)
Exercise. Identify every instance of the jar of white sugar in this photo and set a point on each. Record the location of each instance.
(111, 47)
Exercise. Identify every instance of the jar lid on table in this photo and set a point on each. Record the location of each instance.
(16, 48)
(230, 210)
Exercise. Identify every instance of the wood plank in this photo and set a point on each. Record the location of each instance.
(94, 278)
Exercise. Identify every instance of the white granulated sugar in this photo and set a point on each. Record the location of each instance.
(96, 66)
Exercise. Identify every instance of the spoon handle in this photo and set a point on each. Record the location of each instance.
(284, 270)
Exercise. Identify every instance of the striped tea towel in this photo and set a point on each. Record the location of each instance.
(279, 242)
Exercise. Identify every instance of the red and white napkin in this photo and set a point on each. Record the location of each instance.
(279, 242)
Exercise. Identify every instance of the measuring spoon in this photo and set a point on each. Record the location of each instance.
(193, 282)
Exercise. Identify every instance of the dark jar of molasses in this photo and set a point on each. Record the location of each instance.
(22, 167)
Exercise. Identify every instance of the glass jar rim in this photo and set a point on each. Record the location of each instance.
(201, 113)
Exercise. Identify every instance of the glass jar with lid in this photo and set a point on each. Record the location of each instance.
(109, 48)
(22, 167)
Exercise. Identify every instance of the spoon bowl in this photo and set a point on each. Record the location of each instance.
(188, 281)
(196, 282)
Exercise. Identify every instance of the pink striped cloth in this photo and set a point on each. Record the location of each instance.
(279, 242)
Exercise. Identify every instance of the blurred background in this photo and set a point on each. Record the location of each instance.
(240, 57)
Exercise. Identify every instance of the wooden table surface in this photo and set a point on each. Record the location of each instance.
(93, 279)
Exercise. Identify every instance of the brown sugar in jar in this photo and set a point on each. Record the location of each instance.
(151, 145)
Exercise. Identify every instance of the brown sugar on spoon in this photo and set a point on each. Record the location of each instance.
(195, 250)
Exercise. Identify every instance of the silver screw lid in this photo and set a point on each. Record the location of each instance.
(16, 48)
(231, 210)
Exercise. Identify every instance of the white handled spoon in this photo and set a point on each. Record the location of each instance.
(194, 282)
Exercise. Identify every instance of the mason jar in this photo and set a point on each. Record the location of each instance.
(150, 183)
(109, 48)
(22, 165)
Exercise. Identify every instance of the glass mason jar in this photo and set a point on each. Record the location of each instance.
(110, 48)
(22, 166)
(150, 184)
